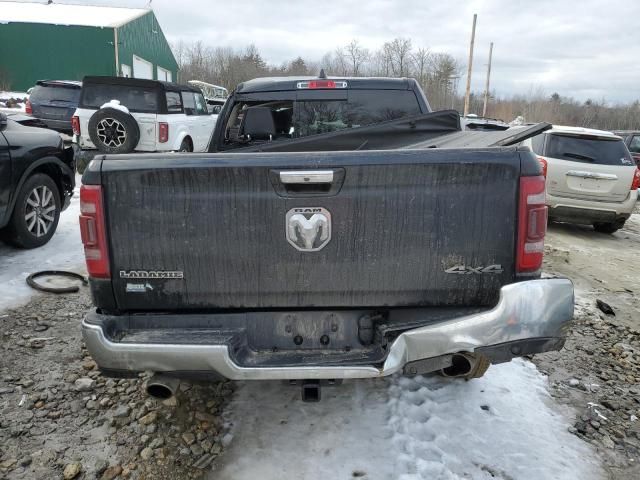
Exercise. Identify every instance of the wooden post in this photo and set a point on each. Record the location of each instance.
(486, 88)
(468, 92)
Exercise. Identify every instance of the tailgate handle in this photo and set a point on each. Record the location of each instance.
(306, 176)
(599, 176)
(307, 183)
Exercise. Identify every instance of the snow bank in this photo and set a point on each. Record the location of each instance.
(4, 95)
(63, 252)
(501, 426)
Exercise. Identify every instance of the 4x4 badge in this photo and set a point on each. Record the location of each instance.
(466, 270)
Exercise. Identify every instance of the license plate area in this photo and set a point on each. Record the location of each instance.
(312, 330)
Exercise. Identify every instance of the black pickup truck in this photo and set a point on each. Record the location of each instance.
(330, 243)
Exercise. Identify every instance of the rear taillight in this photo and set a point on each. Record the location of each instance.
(532, 224)
(163, 132)
(543, 163)
(27, 107)
(75, 125)
(92, 231)
(635, 184)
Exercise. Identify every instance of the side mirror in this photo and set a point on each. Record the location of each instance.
(216, 109)
(3, 121)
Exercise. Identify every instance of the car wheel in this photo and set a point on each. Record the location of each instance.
(608, 227)
(36, 213)
(185, 146)
(114, 131)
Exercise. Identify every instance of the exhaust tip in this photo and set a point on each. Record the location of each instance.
(162, 387)
(460, 365)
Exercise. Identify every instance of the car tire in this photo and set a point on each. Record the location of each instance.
(113, 131)
(608, 227)
(185, 146)
(35, 214)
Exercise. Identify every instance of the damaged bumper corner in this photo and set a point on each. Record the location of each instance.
(531, 317)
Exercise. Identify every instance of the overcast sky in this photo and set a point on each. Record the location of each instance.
(585, 49)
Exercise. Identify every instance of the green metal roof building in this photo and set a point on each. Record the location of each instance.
(66, 42)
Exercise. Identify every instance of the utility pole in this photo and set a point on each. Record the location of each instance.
(468, 92)
(486, 88)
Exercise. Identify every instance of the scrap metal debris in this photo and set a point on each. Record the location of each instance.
(605, 307)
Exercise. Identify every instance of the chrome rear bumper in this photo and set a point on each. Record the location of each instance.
(527, 311)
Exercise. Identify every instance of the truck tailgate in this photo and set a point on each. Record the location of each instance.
(407, 228)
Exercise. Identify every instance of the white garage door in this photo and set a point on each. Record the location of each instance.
(164, 74)
(142, 68)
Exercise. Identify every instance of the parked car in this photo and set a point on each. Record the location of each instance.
(632, 140)
(122, 115)
(591, 177)
(37, 179)
(319, 265)
(23, 119)
(53, 102)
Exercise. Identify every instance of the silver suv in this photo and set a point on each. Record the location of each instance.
(591, 177)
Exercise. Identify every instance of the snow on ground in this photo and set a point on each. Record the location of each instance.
(63, 252)
(500, 426)
(6, 95)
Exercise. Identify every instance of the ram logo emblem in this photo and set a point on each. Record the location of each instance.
(308, 229)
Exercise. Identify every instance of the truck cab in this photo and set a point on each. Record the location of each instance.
(284, 108)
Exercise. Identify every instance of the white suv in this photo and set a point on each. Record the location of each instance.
(591, 177)
(122, 115)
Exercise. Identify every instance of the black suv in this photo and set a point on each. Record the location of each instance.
(53, 102)
(36, 182)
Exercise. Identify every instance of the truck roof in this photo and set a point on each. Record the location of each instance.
(274, 84)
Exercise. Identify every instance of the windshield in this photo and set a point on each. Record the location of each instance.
(588, 149)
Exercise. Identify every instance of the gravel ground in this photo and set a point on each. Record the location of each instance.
(59, 418)
(598, 371)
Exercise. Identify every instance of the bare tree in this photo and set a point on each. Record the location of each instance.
(436, 72)
(421, 61)
(399, 52)
(357, 56)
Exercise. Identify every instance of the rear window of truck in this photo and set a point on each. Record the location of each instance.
(587, 149)
(363, 107)
(136, 99)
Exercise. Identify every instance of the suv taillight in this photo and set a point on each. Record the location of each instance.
(532, 224)
(92, 231)
(27, 107)
(75, 125)
(635, 184)
(543, 162)
(163, 132)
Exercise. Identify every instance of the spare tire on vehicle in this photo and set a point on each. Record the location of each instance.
(114, 131)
